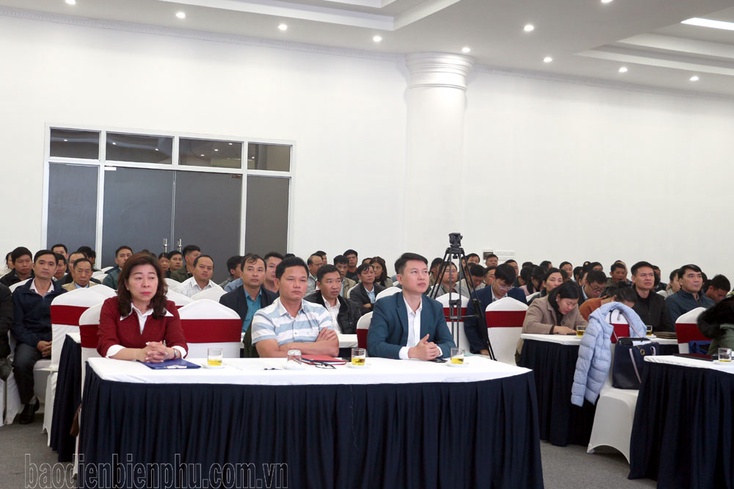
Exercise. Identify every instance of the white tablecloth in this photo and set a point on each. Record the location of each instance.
(251, 371)
(691, 362)
(561, 339)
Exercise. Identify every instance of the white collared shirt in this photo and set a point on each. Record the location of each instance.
(189, 287)
(414, 329)
(34, 289)
(334, 311)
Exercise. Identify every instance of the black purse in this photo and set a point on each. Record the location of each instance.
(629, 361)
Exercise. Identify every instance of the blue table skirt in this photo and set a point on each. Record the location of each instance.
(561, 423)
(683, 431)
(67, 400)
(432, 435)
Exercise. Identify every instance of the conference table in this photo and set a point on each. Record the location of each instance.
(683, 431)
(391, 424)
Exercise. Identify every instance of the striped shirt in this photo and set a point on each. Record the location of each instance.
(275, 323)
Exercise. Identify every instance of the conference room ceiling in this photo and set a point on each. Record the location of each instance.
(586, 39)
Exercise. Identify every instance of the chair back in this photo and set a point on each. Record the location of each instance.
(388, 292)
(66, 309)
(209, 324)
(17, 284)
(105, 291)
(174, 285)
(504, 319)
(686, 329)
(213, 293)
(363, 325)
(177, 298)
(620, 325)
(453, 312)
(88, 327)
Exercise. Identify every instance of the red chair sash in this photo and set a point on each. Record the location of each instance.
(212, 330)
(504, 319)
(362, 338)
(88, 334)
(67, 315)
(689, 332)
(620, 331)
(447, 312)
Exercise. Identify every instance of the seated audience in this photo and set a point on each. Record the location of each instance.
(502, 287)
(121, 256)
(88, 252)
(528, 286)
(552, 279)
(489, 277)
(6, 321)
(659, 286)
(290, 322)
(409, 324)
(650, 306)
(190, 254)
(8, 265)
(165, 263)
(60, 267)
(380, 268)
(618, 273)
(314, 262)
(366, 290)
(625, 295)
(717, 288)
(22, 266)
(344, 312)
(342, 264)
(233, 267)
(476, 275)
(673, 285)
(353, 259)
(61, 249)
(175, 259)
(140, 323)
(249, 297)
(557, 313)
(202, 277)
(491, 260)
(433, 270)
(81, 275)
(447, 281)
(568, 268)
(594, 284)
(717, 323)
(689, 296)
(272, 260)
(32, 327)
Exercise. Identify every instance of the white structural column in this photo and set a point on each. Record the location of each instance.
(436, 103)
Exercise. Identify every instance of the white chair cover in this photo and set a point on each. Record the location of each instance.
(686, 329)
(363, 325)
(388, 292)
(209, 324)
(504, 319)
(17, 284)
(179, 299)
(213, 293)
(458, 333)
(174, 285)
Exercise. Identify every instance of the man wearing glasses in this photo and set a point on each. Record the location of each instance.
(596, 283)
(504, 277)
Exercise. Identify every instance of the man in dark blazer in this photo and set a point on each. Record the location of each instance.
(409, 324)
(246, 299)
(504, 277)
(365, 292)
(329, 283)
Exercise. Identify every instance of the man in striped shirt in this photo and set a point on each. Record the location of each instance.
(291, 322)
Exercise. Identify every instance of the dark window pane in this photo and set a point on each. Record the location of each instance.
(72, 205)
(266, 223)
(68, 143)
(275, 157)
(139, 149)
(201, 152)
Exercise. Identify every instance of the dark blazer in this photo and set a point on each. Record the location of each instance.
(654, 311)
(471, 324)
(388, 331)
(359, 295)
(237, 301)
(348, 312)
(6, 319)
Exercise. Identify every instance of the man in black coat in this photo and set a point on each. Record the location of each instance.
(246, 299)
(345, 312)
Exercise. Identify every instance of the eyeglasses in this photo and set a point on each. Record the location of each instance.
(504, 287)
(598, 289)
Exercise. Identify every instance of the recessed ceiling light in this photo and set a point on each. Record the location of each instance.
(529, 28)
(712, 24)
(283, 27)
(623, 69)
(70, 2)
(202, 156)
(547, 59)
(466, 50)
(230, 144)
(607, 1)
(66, 140)
(216, 149)
(694, 78)
(181, 15)
(377, 38)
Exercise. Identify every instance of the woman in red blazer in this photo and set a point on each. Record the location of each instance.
(140, 323)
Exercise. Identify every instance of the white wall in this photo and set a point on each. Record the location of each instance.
(345, 115)
(565, 171)
(550, 169)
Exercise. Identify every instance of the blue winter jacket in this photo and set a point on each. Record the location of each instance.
(595, 354)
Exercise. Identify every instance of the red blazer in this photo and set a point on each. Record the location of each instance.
(126, 332)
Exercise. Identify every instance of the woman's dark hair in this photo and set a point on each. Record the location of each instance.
(551, 271)
(538, 275)
(625, 294)
(383, 276)
(158, 302)
(567, 290)
(526, 274)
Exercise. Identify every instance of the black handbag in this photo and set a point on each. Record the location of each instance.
(629, 361)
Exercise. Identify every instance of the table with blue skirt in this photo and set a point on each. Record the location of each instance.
(391, 424)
